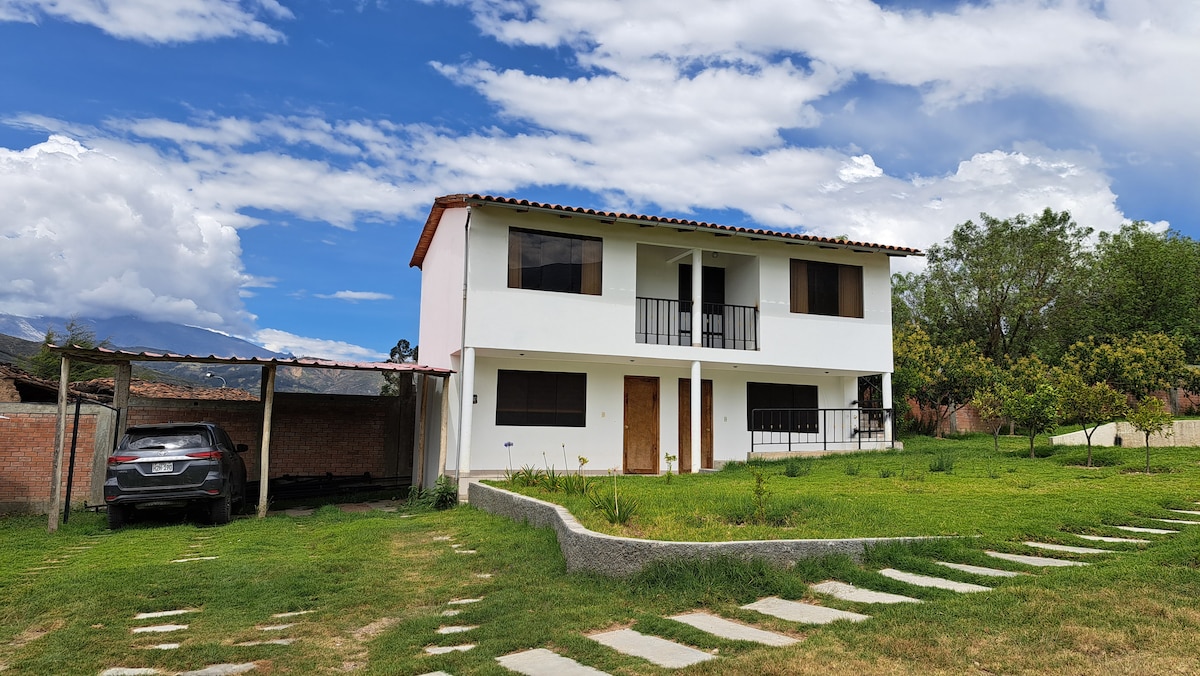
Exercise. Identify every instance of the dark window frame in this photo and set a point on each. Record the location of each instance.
(555, 261)
(828, 289)
(786, 396)
(541, 398)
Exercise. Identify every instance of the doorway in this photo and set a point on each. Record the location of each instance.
(685, 425)
(641, 425)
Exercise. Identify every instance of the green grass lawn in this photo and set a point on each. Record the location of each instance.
(378, 582)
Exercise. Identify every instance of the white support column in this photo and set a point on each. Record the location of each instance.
(886, 386)
(60, 439)
(697, 306)
(696, 406)
(467, 409)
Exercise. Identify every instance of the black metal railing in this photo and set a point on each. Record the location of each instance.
(661, 321)
(799, 429)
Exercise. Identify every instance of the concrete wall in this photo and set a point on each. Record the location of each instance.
(1182, 433)
(589, 551)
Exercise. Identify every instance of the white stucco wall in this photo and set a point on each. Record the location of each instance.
(440, 328)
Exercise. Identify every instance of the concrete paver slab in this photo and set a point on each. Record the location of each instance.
(806, 613)
(734, 631)
(294, 613)
(465, 551)
(1149, 531)
(158, 629)
(483, 576)
(164, 613)
(660, 651)
(542, 662)
(195, 558)
(442, 650)
(1105, 538)
(1068, 548)
(1034, 560)
(129, 671)
(436, 673)
(934, 582)
(979, 570)
(463, 602)
(1185, 522)
(276, 627)
(457, 629)
(222, 669)
(164, 646)
(1185, 511)
(450, 613)
(848, 592)
(274, 641)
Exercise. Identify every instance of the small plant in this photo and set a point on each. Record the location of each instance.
(887, 473)
(615, 510)
(760, 496)
(442, 495)
(527, 477)
(551, 480)
(853, 468)
(670, 459)
(942, 462)
(508, 447)
(795, 467)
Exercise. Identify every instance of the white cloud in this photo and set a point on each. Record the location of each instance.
(282, 341)
(158, 21)
(355, 296)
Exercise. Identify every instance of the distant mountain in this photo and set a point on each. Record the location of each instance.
(20, 337)
(132, 333)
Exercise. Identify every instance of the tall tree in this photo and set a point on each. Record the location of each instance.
(1137, 364)
(1149, 417)
(1001, 283)
(1089, 405)
(402, 353)
(1147, 281)
(46, 364)
(941, 379)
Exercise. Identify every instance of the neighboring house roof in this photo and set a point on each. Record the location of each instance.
(102, 388)
(103, 355)
(457, 201)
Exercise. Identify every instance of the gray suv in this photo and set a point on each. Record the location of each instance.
(173, 465)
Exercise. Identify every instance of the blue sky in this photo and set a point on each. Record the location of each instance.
(263, 167)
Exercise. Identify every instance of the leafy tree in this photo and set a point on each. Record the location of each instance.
(1147, 281)
(47, 364)
(1004, 284)
(1093, 405)
(990, 406)
(1149, 417)
(402, 353)
(941, 379)
(1030, 399)
(1138, 364)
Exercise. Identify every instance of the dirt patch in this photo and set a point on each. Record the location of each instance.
(374, 629)
(34, 633)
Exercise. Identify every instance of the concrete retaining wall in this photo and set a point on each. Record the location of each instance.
(1182, 433)
(589, 551)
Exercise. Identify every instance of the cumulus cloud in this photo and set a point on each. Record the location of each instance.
(355, 296)
(159, 22)
(282, 341)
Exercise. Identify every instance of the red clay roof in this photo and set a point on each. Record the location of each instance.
(457, 201)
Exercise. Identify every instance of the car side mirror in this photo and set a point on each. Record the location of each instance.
(241, 448)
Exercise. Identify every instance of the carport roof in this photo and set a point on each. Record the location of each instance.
(102, 355)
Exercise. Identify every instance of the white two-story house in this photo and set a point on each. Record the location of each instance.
(584, 333)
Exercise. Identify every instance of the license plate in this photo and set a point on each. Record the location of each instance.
(162, 467)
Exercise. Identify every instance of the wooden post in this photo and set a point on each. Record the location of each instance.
(60, 437)
(264, 456)
(444, 432)
(121, 395)
(419, 456)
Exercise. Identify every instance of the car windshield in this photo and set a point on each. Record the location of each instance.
(165, 440)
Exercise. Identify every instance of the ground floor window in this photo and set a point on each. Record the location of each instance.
(541, 398)
(774, 407)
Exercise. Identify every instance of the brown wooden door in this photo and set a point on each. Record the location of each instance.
(641, 425)
(685, 424)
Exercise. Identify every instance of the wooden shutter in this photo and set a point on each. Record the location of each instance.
(593, 259)
(514, 259)
(799, 286)
(850, 291)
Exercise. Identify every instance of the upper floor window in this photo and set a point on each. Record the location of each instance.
(827, 289)
(554, 262)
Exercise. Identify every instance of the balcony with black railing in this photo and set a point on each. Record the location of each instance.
(662, 321)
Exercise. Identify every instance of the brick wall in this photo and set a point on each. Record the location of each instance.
(27, 455)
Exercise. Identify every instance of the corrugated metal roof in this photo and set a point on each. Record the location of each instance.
(454, 201)
(102, 355)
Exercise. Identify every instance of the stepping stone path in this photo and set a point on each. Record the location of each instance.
(979, 570)
(1068, 548)
(1148, 531)
(158, 629)
(1185, 511)
(805, 613)
(457, 629)
(442, 650)
(934, 582)
(1180, 521)
(848, 592)
(1034, 560)
(164, 613)
(660, 651)
(1105, 538)
(542, 662)
(195, 558)
(735, 631)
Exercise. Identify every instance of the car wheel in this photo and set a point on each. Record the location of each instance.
(220, 509)
(118, 516)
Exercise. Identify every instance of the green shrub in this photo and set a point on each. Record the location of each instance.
(795, 467)
(616, 510)
(942, 462)
(443, 494)
(853, 468)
